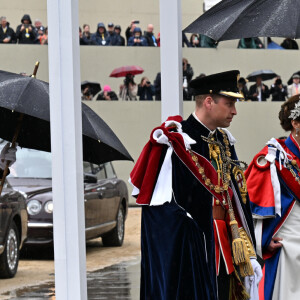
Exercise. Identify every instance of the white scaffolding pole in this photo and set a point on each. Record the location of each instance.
(171, 58)
(66, 145)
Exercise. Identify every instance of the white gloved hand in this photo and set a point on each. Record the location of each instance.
(251, 282)
(7, 154)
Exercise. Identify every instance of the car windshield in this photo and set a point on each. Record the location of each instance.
(31, 163)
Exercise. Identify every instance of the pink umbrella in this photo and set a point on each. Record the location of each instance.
(123, 71)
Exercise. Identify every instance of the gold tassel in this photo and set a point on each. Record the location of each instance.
(239, 251)
(246, 269)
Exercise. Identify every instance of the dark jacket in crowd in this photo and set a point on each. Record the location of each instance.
(9, 33)
(142, 41)
(250, 43)
(151, 40)
(26, 36)
(87, 40)
(278, 91)
(112, 95)
(146, 92)
(101, 39)
(188, 73)
(116, 40)
(157, 86)
(253, 90)
(289, 43)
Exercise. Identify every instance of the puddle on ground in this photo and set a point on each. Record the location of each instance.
(117, 282)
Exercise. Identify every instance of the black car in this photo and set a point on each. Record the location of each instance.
(105, 198)
(13, 230)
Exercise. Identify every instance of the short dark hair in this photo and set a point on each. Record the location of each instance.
(285, 112)
(200, 98)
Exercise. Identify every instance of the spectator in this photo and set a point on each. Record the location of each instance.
(278, 90)
(145, 89)
(294, 88)
(157, 86)
(128, 90)
(40, 33)
(121, 40)
(86, 93)
(187, 75)
(86, 35)
(38, 24)
(188, 72)
(273, 45)
(101, 37)
(129, 30)
(259, 91)
(137, 39)
(107, 94)
(207, 42)
(243, 90)
(112, 34)
(44, 37)
(82, 41)
(158, 40)
(250, 43)
(149, 36)
(7, 34)
(289, 44)
(26, 33)
(195, 40)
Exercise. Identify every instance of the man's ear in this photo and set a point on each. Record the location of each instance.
(208, 101)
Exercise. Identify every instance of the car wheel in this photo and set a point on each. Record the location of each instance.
(115, 238)
(9, 259)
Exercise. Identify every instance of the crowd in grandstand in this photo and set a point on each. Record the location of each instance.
(28, 33)
(145, 90)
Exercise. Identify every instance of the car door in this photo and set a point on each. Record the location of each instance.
(90, 201)
(107, 195)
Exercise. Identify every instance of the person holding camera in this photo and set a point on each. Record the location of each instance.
(26, 33)
(278, 90)
(137, 39)
(128, 90)
(145, 89)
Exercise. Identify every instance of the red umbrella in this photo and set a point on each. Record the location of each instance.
(123, 71)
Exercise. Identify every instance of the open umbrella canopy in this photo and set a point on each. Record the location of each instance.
(123, 71)
(94, 87)
(290, 81)
(30, 96)
(236, 19)
(264, 74)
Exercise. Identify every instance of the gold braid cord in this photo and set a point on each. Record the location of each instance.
(223, 160)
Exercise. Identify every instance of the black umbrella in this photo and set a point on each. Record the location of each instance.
(28, 97)
(236, 19)
(94, 87)
(291, 78)
(264, 74)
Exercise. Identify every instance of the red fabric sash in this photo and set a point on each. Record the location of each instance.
(144, 174)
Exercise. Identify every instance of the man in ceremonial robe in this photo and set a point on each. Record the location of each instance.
(197, 235)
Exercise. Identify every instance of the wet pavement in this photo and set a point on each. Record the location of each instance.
(117, 282)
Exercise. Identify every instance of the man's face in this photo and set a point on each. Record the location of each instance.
(117, 31)
(101, 30)
(3, 22)
(37, 24)
(296, 80)
(150, 28)
(86, 29)
(258, 80)
(222, 112)
(26, 22)
(110, 29)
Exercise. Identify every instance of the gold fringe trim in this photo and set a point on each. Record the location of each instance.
(239, 251)
(237, 289)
